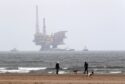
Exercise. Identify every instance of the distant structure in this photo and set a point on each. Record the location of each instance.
(14, 50)
(47, 42)
(85, 48)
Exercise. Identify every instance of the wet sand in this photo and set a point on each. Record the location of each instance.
(60, 79)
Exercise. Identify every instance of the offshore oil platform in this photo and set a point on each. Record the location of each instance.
(47, 42)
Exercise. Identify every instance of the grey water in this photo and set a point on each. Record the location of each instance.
(99, 61)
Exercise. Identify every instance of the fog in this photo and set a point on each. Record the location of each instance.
(97, 24)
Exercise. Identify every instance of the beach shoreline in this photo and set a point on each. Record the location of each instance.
(61, 79)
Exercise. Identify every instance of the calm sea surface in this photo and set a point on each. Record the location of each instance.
(99, 61)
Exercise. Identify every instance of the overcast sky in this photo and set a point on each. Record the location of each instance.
(97, 24)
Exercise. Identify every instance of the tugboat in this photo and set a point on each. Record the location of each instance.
(14, 50)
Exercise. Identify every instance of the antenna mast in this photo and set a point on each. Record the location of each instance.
(44, 26)
(37, 20)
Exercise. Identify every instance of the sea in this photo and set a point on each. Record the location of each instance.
(101, 62)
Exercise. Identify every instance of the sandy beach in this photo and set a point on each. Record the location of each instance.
(60, 79)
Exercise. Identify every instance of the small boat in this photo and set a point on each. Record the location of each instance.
(14, 50)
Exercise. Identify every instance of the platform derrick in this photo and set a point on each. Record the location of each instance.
(47, 42)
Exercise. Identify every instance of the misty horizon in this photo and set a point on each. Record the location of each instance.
(99, 25)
